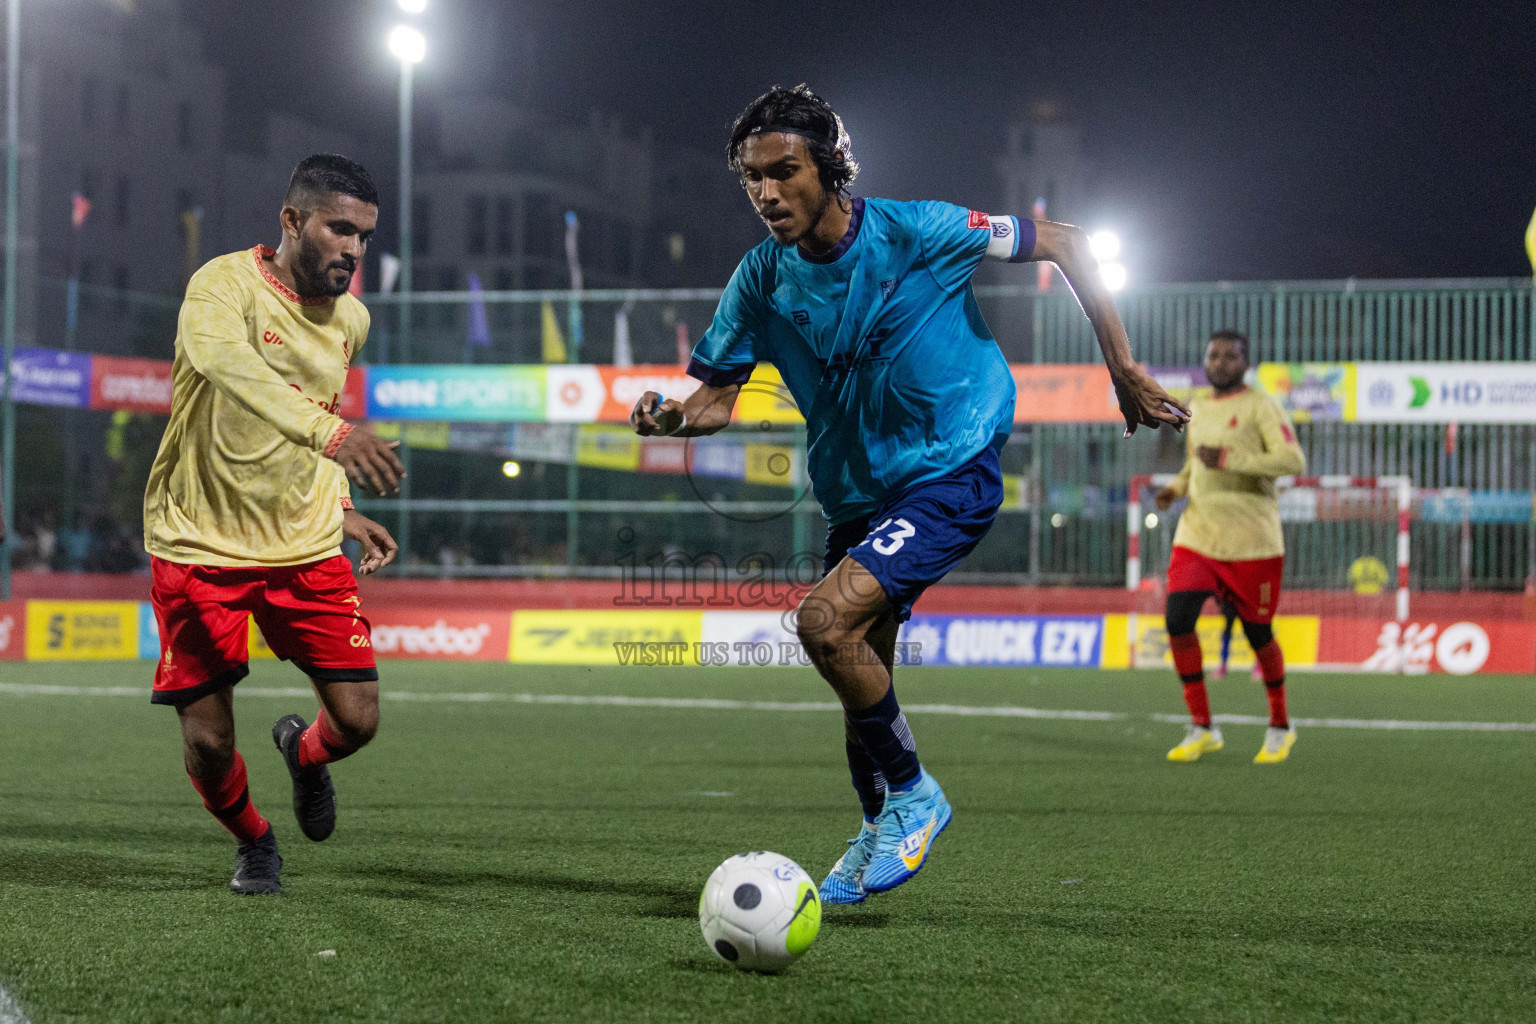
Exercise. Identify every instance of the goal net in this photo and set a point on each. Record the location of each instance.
(1344, 601)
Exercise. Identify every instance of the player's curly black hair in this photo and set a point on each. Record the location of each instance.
(799, 108)
(1238, 338)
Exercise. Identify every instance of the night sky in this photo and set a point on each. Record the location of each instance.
(1227, 141)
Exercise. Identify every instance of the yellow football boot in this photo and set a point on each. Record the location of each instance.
(1277, 746)
(1197, 740)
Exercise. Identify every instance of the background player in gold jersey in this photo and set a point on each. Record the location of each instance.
(1229, 543)
(247, 505)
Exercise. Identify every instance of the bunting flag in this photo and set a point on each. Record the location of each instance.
(80, 208)
(479, 325)
(553, 341)
(1044, 268)
(623, 355)
(1530, 242)
(389, 272)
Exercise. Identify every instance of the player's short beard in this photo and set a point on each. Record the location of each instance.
(310, 278)
(821, 211)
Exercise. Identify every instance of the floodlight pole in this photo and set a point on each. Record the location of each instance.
(407, 244)
(8, 430)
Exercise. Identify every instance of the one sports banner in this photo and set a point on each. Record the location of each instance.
(456, 393)
(1484, 392)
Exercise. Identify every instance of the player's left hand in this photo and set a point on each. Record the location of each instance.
(1144, 403)
(1209, 455)
(379, 548)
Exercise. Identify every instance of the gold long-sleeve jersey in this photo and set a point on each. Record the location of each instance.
(242, 476)
(1233, 514)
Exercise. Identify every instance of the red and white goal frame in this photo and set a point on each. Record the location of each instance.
(1401, 486)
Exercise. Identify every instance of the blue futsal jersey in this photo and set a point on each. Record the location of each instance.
(881, 344)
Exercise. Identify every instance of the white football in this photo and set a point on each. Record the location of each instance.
(759, 911)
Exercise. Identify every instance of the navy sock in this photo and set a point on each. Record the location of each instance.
(868, 782)
(883, 733)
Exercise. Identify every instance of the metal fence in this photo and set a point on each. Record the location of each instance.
(1064, 521)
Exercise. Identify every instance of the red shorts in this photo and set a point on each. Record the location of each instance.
(1252, 587)
(309, 614)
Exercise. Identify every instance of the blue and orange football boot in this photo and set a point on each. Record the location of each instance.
(906, 828)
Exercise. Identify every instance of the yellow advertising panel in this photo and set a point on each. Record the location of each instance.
(82, 630)
(1312, 392)
(1297, 635)
(765, 399)
(608, 448)
(771, 464)
(615, 637)
(256, 644)
(431, 436)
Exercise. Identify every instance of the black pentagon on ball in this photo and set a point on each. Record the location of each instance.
(726, 950)
(747, 896)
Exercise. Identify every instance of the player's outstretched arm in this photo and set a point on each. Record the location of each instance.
(705, 411)
(379, 548)
(1142, 401)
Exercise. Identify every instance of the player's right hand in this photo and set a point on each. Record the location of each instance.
(1144, 403)
(648, 417)
(370, 461)
(1164, 498)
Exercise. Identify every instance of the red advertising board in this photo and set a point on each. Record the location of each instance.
(623, 386)
(1459, 648)
(138, 385)
(13, 630)
(434, 634)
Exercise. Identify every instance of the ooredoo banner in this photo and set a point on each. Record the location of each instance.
(138, 385)
(427, 633)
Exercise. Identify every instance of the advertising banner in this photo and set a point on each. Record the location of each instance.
(459, 393)
(48, 377)
(1457, 648)
(640, 637)
(13, 630)
(604, 447)
(82, 630)
(1491, 392)
(1297, 635)
(751, 638)
(1312, 392)
(1064, 394)
(431, 634)
(1074, 641)
(137, 385)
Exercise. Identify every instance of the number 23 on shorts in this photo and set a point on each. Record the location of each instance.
(892, 542)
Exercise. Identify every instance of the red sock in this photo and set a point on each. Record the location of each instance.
(229, 800)
(1189, 663)
(321, 744)
(1272, 665)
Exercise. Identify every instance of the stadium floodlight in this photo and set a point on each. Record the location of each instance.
(1057, 520)
(407, 44)
(510, 469)
(1114, 275)
(412, 6)
(1105, 246)
(1151, 520)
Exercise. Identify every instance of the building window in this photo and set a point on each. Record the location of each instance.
(476, 212)
(505, 212)
(184, 124)
(421, 226)
(543, 226)
(120, 111)
(88, 100)
(124, 200)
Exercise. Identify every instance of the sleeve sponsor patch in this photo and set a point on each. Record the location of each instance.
(1005, 237)
(977, 220)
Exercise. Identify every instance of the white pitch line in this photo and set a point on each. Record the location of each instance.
(10, 1011)
(723, 704)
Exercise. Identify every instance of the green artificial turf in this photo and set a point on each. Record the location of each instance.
(508, 861)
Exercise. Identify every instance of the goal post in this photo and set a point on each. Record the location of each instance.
(1343, 535)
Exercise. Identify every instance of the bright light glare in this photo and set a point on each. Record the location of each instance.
(412, 6)
(510, 469)
(407, 44)
(1105, 246)
(1151, 520)
(1057, 519)
(1113, 275)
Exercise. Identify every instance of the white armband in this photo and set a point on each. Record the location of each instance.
(1012, 241)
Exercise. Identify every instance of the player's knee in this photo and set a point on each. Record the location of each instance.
(1259, 634)
(359, 724)
(208, 751)
(1183, 612)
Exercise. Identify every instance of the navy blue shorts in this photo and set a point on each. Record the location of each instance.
(914, 539)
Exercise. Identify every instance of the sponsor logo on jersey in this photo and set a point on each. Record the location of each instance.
(801, 317)
(1001, 228)
(977, 220)
(271, 338)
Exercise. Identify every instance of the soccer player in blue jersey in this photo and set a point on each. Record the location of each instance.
(865, 307)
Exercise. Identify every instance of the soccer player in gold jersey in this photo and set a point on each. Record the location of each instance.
(1228, 543)
(248, 502)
